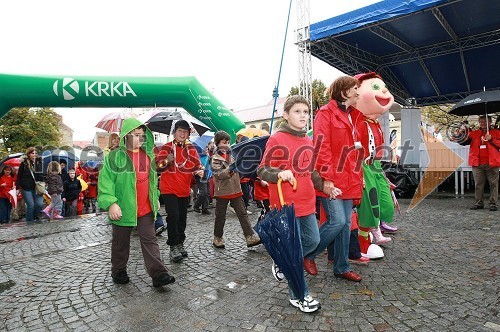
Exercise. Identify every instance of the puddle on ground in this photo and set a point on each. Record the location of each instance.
(6, 285)
(438, 196)
(210, 295)
(30, 237)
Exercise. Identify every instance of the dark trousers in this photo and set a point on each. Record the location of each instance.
(245, 188)
(266, 204)
(120, 247)
(203, 195)
(220, 215)
(176, 208)
(5, 209)
(71, 208)
(354, 249)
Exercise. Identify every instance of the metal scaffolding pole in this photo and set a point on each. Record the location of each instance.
(304, 53)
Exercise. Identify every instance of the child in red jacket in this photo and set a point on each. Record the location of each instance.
(289, 156)
(91, 176)
(6, 184)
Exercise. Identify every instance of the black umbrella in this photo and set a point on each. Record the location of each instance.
(248, 154)
(484, 102)
(163, 122)
(280, 235)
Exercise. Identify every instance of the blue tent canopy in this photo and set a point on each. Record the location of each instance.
(428, 51)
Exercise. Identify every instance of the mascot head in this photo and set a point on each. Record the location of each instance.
(374, 97)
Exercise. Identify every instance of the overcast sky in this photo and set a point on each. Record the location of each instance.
(232, 47)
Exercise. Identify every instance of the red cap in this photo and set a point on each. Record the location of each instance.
(365, 76)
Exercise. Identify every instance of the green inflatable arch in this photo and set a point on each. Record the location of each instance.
(59, 91)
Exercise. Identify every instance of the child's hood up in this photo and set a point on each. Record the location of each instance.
(129, 125)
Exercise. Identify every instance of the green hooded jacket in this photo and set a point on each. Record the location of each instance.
(117, 178)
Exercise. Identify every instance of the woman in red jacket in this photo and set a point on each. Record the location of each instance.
(339, 164)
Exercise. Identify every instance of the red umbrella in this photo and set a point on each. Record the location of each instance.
(13, 160)
(112, 122)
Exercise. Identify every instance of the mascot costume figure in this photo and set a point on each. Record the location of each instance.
(377, 203)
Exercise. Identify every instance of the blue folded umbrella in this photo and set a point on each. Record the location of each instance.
(280, 236)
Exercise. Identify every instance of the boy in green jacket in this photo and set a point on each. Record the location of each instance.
(128, 189)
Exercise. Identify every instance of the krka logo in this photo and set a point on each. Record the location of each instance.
(69, 88)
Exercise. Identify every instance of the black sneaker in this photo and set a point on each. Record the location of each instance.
(205, 211)
(175, 254)
(477, 207)
(197, 209)
(182, 250)
(163, 279)
(493, 208)
(121, 278)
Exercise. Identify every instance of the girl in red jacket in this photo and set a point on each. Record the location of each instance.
(6, 184)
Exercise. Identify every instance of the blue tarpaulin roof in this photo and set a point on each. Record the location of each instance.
(428, 51)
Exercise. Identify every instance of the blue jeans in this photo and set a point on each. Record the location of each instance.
(336, 228)
(309, 238)
(309, 233)
(34, 204)
(354, 249)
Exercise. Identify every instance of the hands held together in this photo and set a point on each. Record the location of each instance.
(331, 190)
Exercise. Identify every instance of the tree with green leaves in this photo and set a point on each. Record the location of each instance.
(319, 98)
(444, 123)
(25, 127)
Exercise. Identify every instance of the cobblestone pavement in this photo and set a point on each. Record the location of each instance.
(439, 274)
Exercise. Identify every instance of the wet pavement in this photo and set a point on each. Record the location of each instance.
(439, 274)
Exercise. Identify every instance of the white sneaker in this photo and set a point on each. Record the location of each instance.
(278, 275)
(249, 212)
(309, 305)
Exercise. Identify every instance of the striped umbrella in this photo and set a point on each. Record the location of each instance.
(112, 122)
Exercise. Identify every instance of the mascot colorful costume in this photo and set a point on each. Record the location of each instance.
(377, 203)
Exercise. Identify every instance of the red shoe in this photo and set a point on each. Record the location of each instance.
(352, 276)
(310, 266)
(362, 260)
